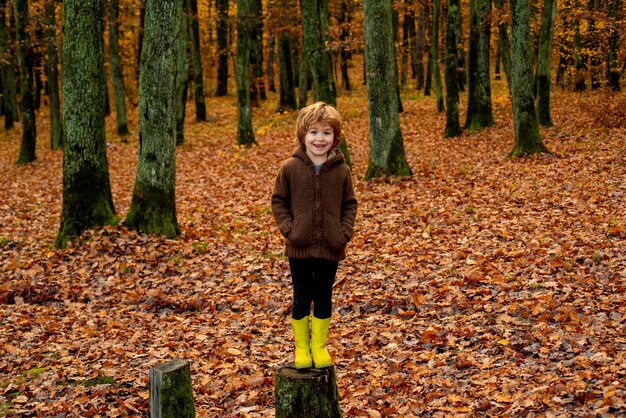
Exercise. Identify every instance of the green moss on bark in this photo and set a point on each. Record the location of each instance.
(153, 211)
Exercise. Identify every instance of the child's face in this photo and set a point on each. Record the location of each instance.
(318, 141)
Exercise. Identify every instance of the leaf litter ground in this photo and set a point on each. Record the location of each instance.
(480, 286)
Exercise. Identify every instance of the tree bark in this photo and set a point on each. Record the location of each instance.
(304, 75)
(419, 47)
(27, 105)
(287, 98)
(527, 139)
(182, 80)
(386, 145)
(543, 63)
(116, 69)
(503, 44)
(479, 113)
(52, 70)
(222, 47)
(271, 49)
(612, 65)
(171, 392)
(153, 206)
(6, 72)
(453, 126)
(198, 76)
(87, 199)
(434, 46)
(257, 81)
(245, 133)
(306, 394)
(345, 19)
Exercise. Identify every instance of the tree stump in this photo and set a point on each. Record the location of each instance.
(306, 393)
(171, 394)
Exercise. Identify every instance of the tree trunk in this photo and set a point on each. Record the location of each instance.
(52, 71)
(612, 65)
(314, 39)
(429, 56)
(479, 113)
(386, 145)
(434, 47)
(419, 47)
(306, 394)
(527, 139)
(182, 80)
(245, 133)
(503, 44)
(153, 206)
(198, 77)
(6, 72)
(171, 392)
(304, 75)
(345, 19)
(543, 63)
(27, 105)
(257, 82)
(271, 50)
(286, 71)
(453, 126)
(580, 60)
(222, 47)
(87, 199)
(116, 69)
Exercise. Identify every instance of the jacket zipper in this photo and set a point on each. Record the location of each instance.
(318, 204)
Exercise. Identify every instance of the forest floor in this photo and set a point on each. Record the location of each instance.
(480, 286)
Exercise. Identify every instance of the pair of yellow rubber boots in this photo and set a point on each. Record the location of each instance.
(313, 352)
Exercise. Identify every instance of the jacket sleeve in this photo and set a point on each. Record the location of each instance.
(348, 206)
(281, 203)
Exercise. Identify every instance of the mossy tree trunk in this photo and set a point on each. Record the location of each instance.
(257, 82)
(386, 145)
(171, 391)
(311, 393)
(304, 77)
(25, 57)
(198, 79)
(543, 63)
(479, 113)
(314, 37)
(87, 199)
(245, 133)
(116, 68)
(453, 19)
(527, 139)
(153, 206)
(52, 70)
(222, 47)
(434, 47)
(6, 72)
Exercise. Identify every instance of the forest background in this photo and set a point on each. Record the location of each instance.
(480, 284)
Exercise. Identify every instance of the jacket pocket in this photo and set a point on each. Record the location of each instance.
(335, 238)
(301, 233)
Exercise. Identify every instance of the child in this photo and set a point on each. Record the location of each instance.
(315, 207)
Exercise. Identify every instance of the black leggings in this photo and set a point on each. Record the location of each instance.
(312, 280)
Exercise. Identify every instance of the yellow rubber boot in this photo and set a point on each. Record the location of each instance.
(303, 350)
(319, 334)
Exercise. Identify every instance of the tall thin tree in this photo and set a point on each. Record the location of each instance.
(52, 72)
(153, 206)
(117, 76)
(527, 138)
(27, 103)
(434, 47)
(196, 56)
(453, 19)
(6, 72)
(543, 63)
(386, 144)
(222, 47)
(245, 22)
(87, 199)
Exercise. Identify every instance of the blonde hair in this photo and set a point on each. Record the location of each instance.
(318, 112)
